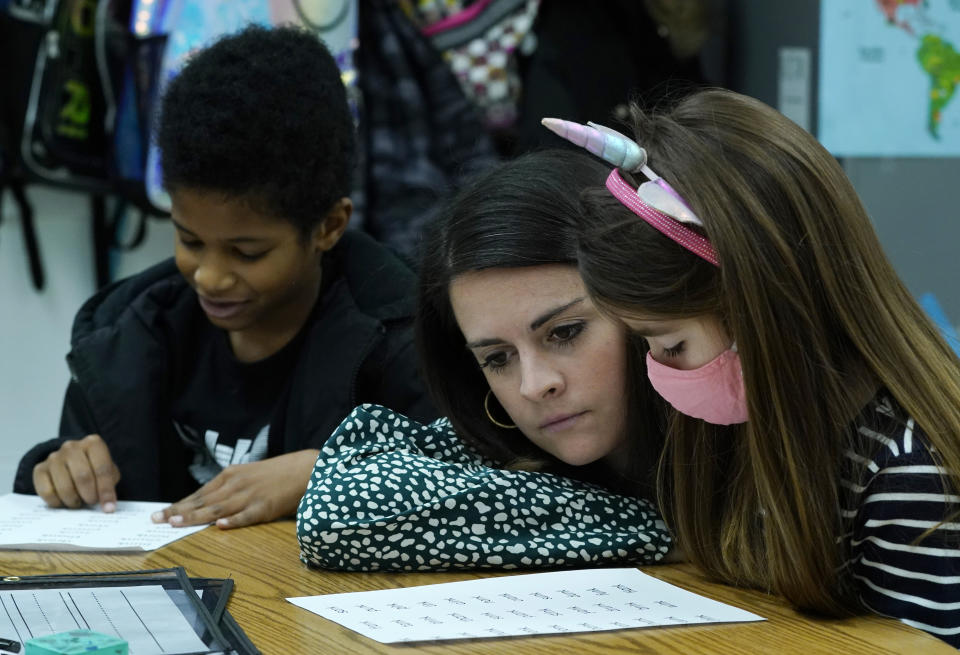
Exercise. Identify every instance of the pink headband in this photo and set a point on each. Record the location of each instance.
(664, 223)
(655, 201)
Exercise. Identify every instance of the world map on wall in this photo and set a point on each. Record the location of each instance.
(889, 77)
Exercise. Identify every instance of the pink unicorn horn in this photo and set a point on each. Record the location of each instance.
(608, 144)
(623, 152)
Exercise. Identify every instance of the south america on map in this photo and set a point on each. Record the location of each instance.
(889, 78)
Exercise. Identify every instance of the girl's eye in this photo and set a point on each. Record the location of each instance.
(495, 361)
(674, 351)
(564, 335)
(190, 244)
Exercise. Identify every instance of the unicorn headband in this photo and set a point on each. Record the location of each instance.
(655, 201)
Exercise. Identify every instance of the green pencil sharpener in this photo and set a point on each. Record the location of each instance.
(76, 642)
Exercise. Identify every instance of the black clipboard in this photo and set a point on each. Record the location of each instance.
(202, 601)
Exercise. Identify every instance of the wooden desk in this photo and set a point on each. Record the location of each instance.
(264, 564)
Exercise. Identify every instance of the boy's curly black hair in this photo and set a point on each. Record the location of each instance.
(261, 115)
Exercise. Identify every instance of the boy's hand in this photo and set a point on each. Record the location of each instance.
(80, 473)
(245, 494)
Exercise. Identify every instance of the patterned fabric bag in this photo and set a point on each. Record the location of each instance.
(479, 41)
(420, 137)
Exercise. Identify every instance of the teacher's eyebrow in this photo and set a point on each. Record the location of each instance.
(547, 315)
(536, 323)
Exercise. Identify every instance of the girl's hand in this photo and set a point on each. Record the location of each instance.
(245, 494)
(81, 472)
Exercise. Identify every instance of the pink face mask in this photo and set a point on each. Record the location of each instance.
(714, 392)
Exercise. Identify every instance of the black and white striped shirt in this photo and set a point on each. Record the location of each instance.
(892, 492)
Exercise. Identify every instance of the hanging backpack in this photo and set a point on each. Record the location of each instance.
(64, 140)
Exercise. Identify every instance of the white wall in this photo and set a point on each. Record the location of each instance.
(35, 326)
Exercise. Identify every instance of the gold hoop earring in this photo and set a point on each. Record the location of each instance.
(486, 408)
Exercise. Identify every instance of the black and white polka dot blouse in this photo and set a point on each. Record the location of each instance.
(388, 493)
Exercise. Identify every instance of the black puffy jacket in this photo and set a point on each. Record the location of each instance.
(128, 346)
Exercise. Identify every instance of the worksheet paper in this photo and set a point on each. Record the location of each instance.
(26, 523)
(143, 616)
(533, 604)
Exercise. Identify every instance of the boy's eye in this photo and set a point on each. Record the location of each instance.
(251, 256)
(190, 244)
(674, 351)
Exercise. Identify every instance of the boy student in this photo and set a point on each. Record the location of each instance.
(213, 380)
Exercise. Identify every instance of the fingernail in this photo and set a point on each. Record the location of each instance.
(176, 520)
(109, 507)
(157, 517)
(223, 523)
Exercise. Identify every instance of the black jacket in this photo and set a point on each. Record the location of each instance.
(128, 347)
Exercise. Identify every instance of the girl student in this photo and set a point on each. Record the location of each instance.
(533, 381)
(814, 444)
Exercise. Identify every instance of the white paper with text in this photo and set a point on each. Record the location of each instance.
(539, 603)
(26, 523)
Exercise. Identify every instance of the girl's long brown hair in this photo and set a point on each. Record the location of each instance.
(820, 318)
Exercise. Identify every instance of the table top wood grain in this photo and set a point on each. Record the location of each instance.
(263, 561)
